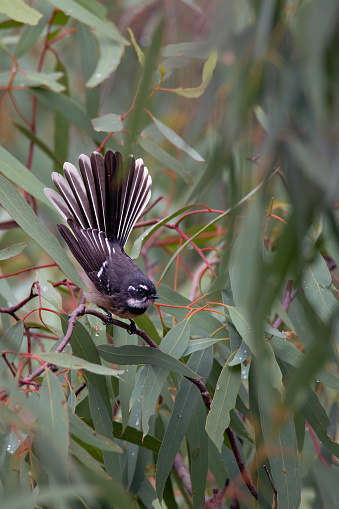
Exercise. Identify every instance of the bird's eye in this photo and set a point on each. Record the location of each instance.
(141, 291)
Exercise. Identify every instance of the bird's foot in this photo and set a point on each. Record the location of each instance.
(133, 327)
(108, 316)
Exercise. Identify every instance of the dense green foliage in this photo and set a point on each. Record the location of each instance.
(234, 107)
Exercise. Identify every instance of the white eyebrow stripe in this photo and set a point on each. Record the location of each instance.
(144, 287)
(131, 287)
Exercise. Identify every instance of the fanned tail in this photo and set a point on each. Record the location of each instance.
(100, 199)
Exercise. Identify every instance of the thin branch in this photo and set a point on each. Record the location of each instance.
(240, 463)
(80, 311)
(275, 506)
(288, 298)
(183, 473)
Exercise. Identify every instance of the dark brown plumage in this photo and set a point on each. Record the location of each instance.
(101, 208)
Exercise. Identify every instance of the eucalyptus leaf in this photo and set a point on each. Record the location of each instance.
(9, 252)
(22, 213)
(20, 11)
(175, 139)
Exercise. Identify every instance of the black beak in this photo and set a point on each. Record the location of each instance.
(155, 296)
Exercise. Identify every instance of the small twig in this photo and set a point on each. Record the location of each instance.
(216, 501)
(275, 504)
(315, 442)
(123, 325)
(183, 473)
(12, 309)
(79, 311)
(197, 276)
(8, 225)
(288, 298)
(240, 463)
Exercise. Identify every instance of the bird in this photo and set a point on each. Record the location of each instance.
(101, 207)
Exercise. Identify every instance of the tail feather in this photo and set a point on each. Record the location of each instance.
(100, 200)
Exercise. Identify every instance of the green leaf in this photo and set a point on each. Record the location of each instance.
(11, 340)
(176, 340)
(99, 400)
(153, 377)
(108, 123)
(316, 416)
(31, 34)
(77, 11)
(259, 347)
(203, 319)
(198, 450)
(22, 213)
(110, 55)
(187, 49)
(39, 143)
(52, 438)
(326, 478)
(161, 155)
(293, 356)
(72, 362)
(131, 354)
(207, 74)
(316, 283)
(9, 252)
(48, 291)
(17, 173)
(147, 233)
(89, 57)
(135, 436)
(224, 399)
(281, 447)
(82, 455)
(241, 355)
(68, 108)
(195, 345)
(140, 54)
(261, 117)
(19, 11)
(175, 139)
(83, 346)
(103, 424)
(128, 380)
(87, 434)
(184, 405)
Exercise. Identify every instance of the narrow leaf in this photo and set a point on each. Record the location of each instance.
(108, 123)
(77, 11)
(110, 55)
(175, 139)
(131, 354)
(11, 340)
(19, 11)
(9, 252)
(72, 362)
(184, 405)
(140, 54)
(17, 173)
(316, 284)
(224, 399)
(207, 74)
(198, 449)
(88, 435)
(161, 155)
(22, 213)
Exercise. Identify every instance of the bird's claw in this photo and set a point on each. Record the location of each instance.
(108, 316)
(133, 327)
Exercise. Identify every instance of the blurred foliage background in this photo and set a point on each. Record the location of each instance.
(234, 107)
